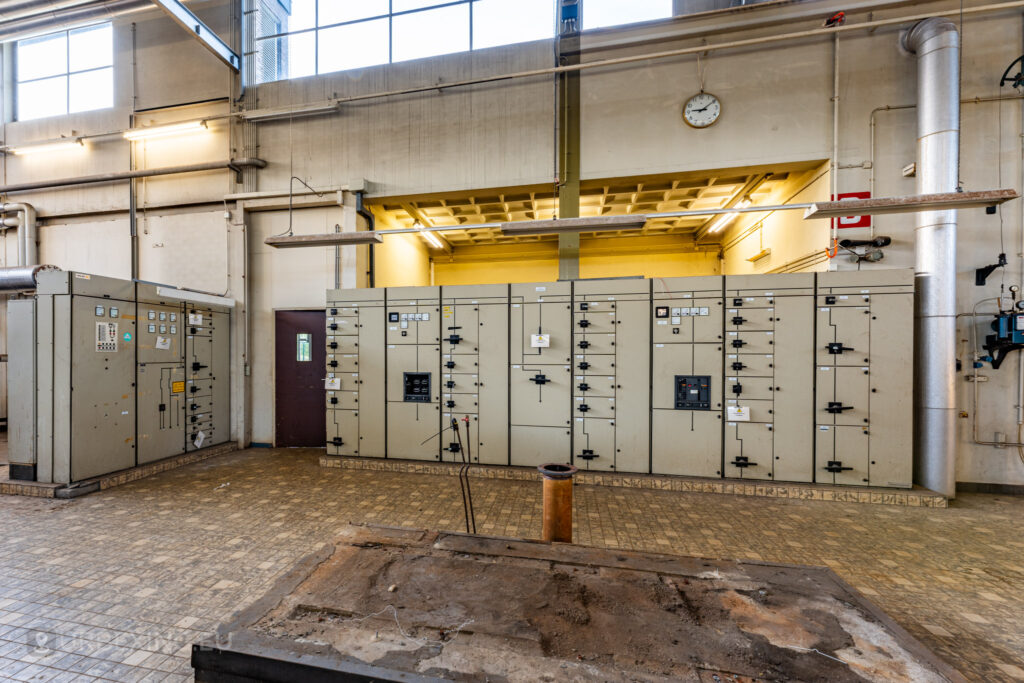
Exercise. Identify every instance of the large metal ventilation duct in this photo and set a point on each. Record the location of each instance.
(937, 46)
(21, 278)
(17, 20)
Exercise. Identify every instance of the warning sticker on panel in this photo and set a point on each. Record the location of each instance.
(177, 387)
(738, 413)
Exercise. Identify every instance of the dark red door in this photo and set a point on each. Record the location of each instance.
(300, 362)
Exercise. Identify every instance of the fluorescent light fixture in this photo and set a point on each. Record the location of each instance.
(171, 130)
(47, 147)
(561, 225)
(432, 239)
(286, 115)
(726, 218)
(195, 297)
(909, 204)
(330, 239)
(767, 251)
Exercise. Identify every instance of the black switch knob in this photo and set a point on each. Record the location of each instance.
(540, 379)
(450, 384)
(738, 343)
(453, 339)
(737, 366)
(587, 454)
(333, 326)
(584, 365)
(334, 400)
(837, 408)
(738, 320)
(450, 364)
(333, 345)
(337, 441)
(583, 407)
(584, 323)
(584, 387)
(737, 389)
(584, 344)
(333, 363)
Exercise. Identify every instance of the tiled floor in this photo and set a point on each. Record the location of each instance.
(118, 584)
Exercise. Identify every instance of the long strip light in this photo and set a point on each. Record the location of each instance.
(430, 237)
(47, 147)
(171, 130)
(726, 218)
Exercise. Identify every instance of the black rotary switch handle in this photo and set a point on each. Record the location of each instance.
(540, 379)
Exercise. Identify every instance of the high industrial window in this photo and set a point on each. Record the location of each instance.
(304, 347)
(65, 72)
(307, 37)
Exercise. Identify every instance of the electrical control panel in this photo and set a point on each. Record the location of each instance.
(748, 377)
(413, 362)
(693, 392)
(474, 372)
(416, 387)
(540, 372)
(355, 377)
(110, 371)
(863, 405)
(769, 378)
(611, 370)
(686, 342)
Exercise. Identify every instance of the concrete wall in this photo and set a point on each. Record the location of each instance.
(777, 107)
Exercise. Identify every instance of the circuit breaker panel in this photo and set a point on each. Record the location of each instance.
(413, 357)
(779, 377)
(355, 372)
(474, 372)
(863, 404)
(105, 368)
(540, 376)
(163, 399)
(769, 376)
(686, 412)
(611, 375)
(206, 375)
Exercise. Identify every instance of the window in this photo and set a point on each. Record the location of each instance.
(323, 36)
(309, 37)
(304, 347)
(66, 72)
(601, 13)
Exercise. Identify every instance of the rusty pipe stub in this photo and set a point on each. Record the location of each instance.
(555, 471)
(557, 518)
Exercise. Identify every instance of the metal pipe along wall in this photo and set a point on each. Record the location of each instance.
(936, 43)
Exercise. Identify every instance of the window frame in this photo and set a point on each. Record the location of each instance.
(66, 74)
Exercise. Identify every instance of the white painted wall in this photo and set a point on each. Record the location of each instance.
(777, 107)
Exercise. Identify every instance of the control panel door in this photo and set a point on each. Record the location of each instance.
(748, 450)
(842, 455)
(594, 444)
(844, 333)
(161, 402)
(843, 395)
(541, 395)
(460, 329)
(102, 361)
(687, 442)
(533, 446)
(552, 322)
(343, 432)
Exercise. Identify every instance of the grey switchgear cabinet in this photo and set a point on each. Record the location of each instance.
(540, 376)
(769, 377)
(103, 367)
(686, 341)
(783, 377)
(864, 405)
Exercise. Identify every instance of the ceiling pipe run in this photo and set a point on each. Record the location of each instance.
(234, 165)
(936, 43)
(56, 16)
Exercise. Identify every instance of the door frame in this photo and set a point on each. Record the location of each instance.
(273, 358)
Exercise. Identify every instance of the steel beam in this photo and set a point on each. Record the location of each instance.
(203, 33)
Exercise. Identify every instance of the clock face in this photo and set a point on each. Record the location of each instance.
(701, 110)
